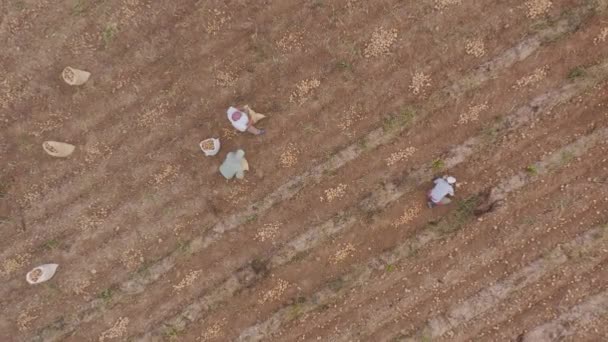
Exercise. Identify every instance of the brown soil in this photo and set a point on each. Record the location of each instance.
(328, 237)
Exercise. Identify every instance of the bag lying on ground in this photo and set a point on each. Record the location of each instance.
(41, 273)
(58, 149)
(210, 146)
(255, 116)
(75, 77)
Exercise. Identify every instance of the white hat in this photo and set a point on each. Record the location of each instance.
(451, 180)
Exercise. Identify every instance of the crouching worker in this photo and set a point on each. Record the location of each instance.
(235, 164)
(443, 190)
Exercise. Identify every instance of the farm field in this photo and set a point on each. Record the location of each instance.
(328, 236)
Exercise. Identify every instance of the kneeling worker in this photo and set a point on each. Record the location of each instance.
(444, 188)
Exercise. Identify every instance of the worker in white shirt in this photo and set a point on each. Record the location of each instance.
(442, 191)
(244, 119)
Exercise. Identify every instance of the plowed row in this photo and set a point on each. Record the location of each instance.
(154, 245)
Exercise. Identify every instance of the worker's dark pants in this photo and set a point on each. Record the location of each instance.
(443, 201)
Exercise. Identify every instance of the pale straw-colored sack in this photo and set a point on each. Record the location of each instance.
(58, 149)
(41, 273)
(205, 145)
(75, 77)
(255, 116)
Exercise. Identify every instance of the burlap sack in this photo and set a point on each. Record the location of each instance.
(58, 149)
(75, 77)
(41, 273)
(210, 146)
(255, 117)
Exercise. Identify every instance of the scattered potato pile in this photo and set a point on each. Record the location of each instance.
(11, 265)
(228, 134)
(167, 173)
(208, 145)
(348, 119)
(225, 79)
(68, 75)
(475, 47)
(442, 4)
(267, 232)
(420, 81)
(290, 41)
(213, 331)
(473, 113)
(538, 75)
(118, 330)
(344, 252)
(35, 275)
(274, 293)
(24, 320)
(216, 20)
(398, 156)
(289, 157)
(303, 89)
(381, 42)
(407, 216)
(188, 280)
(536, 8)
(334, 193)
(601, 37)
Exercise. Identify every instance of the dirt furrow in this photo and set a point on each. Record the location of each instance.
(329, 228)
(540, 302)
(298, 310)
(346, 219)
(351, 150)
(98, 183)
(546, 36)
(271, 199)
(363, 273)
(176, 82)
(126, 143)
(549, 164)
(77, 197)
(106, 124)
(571, 320)
(165, 194)
(507, 239)
(497, 161)
(544, 302)
(475, 306)
(366, 103)
(80, 39)
(74, 102)
(66, 194)
(441, 279)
